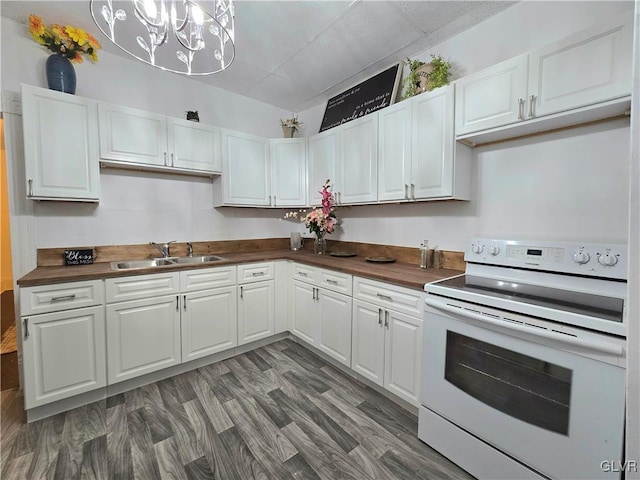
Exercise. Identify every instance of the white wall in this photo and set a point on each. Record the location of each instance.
(570, 185)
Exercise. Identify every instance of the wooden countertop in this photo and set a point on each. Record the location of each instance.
(404, 274)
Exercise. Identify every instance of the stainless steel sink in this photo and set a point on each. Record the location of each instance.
(133, 264)
(198, 259)
(161, 262)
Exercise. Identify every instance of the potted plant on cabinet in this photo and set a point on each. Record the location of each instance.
(424, 77)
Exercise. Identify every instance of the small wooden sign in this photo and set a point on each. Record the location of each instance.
(375, 93)
(78, 257)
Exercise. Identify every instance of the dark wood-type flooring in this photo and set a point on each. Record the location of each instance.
(278, 412)
(8, 361)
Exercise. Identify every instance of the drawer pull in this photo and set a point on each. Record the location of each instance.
(26, 328)
(302, 274)
(63, 298)
(384, 297)
(332, 282)
(257, 274)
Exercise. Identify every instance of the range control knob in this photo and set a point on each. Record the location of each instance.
(607, 259)
(494, 250)
(477, 248)
(581, 257)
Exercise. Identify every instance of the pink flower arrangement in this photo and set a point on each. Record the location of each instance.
(320, 220)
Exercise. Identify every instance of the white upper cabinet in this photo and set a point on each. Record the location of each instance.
(323, 157)
(588, 67)
(245, 162)
(134, 138)
(289, 172)
(357, 179)
(418, 156)
(581, 78)
(60, 167)
(194, 146)
(492, 97)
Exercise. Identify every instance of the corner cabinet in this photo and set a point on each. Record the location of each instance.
(418, 156)
(132, 138)
(59, 166)
(323, 163)
(288, 162)
(582, 78)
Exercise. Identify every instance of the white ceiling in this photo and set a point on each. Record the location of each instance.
(297, 54)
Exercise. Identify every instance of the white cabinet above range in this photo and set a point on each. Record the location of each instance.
(132, 138)
(583, 77)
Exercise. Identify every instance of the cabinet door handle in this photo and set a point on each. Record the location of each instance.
(521, 109)
(184, 302)
(406, 191)
(332, 282)
(30, 193)
(177, 303)
(532, 106)
(380, 316)
(384, 297)
(257, 274)
(241, 291)
(26, 328)
(172, 155)
(386, 319)
(413, 191)
(165, 159)
(63, 297)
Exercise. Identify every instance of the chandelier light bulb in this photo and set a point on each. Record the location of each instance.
(190, 37)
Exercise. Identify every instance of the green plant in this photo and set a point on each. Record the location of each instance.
(416, 81)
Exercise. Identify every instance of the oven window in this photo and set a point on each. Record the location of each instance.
(523, 387)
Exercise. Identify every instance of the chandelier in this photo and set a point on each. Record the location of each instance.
(181, 36)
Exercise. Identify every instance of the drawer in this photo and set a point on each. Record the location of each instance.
(400, 299)
(255, 272)
(61, 296)
(335, 281)
(141, 286)
(206, 278)
(305, 273)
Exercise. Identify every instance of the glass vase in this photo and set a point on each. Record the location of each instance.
(320, 245)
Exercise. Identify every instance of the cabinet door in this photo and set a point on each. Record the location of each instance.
(334, 335)
(289, 172)
(132, 136)
(256, 317)
(59, 166)
(323, 156)
(394, 152)
(142, 336)
(588, 67)
(305, 312)
(358, 161)
(209, 322)
(403, 355)
(246, 169)
(194, 146)
(63, 354)
(492, 97)
(432, 144)
(367, 355)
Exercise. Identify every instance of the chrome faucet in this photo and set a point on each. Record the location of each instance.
(164, 249)
(190, 247)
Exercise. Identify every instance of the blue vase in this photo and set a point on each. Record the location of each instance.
(61, 75)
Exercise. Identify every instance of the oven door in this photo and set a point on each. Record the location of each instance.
(557, 411)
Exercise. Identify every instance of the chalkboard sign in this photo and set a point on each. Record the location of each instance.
(78, 257)
(367, 97)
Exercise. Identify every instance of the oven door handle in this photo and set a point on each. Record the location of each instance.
(537, 332)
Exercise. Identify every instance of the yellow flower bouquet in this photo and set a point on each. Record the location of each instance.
(66, 40)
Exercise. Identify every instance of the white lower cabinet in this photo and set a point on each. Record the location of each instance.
(321, 312)
(256, 318)
(142, 336)
(387, 344)
(63, 354)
